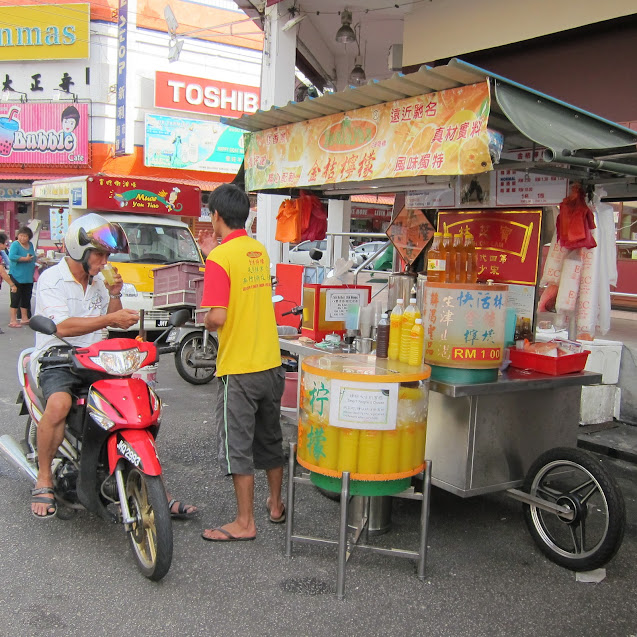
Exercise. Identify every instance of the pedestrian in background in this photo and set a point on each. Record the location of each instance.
(250, 379)
(4, 275)
(23, 261)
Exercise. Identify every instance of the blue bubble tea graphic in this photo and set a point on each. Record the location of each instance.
(8, 128)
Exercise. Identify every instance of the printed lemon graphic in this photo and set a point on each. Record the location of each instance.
(460, 117)
(421, 139)
(295, 147)
(474, 157)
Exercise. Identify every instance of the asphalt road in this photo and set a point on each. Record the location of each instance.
(485, 577)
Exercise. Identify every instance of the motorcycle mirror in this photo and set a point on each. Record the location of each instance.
(43, 325)
(179, 318)
(276, 298)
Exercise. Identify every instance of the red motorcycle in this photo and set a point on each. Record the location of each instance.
(107, 462)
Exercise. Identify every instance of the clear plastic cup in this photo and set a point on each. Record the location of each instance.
(108, 272)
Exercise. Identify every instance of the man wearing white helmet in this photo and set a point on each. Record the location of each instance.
(82, 305)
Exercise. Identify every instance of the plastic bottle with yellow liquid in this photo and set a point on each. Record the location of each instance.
(369, 449)
(417, 343)
(436, 260)
(460, 259)
(410, 315)
(390, 447)
(348, 450)
(329, 458)
(450, 261)
(395, 327)
(471, 258)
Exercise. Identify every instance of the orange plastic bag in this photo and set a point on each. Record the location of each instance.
(288, 222)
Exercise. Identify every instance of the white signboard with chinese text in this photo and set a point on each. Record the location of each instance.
(520, 188)
(338, 300)
(363, 405)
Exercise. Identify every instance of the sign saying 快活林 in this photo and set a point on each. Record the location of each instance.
(61, 32)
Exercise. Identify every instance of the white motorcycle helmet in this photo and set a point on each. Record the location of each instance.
(93, 232)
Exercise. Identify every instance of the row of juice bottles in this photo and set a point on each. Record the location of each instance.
(452, 258)
(405, 334)
(364, 451)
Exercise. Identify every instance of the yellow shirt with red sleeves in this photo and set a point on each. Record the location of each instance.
(237, 278)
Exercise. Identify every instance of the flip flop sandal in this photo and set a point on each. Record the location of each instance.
(14, 325)
(229, 537)
(273, 519)
(182, 512)
(38, 497)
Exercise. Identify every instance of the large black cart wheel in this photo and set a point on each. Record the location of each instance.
(151, 534)
(575, 479)
(190, 351)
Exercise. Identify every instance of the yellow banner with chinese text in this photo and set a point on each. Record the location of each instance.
(443, 133)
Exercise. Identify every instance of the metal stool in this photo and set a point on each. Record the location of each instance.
(345, 549)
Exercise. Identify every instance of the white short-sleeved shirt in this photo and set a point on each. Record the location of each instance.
(60, 296)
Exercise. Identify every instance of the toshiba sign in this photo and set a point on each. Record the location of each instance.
(196, 94)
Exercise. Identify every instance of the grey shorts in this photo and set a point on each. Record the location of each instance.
(58, 379)
(248, 418)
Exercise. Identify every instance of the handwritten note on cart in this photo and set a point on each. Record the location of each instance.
(363, 405)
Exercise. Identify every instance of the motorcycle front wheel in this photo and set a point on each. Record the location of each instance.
(151, 534)
(189, 352)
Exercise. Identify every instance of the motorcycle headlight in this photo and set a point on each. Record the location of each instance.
(128, 289)
(120, 363)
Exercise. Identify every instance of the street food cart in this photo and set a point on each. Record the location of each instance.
(427, 132)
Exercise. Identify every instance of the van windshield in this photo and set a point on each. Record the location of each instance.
(156, 243)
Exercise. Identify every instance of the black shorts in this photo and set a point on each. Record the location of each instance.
(58, 379)
(248, 417)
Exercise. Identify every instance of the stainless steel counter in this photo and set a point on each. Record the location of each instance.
(484, 437)
(516, 380)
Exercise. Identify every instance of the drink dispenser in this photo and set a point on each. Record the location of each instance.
(363, 415)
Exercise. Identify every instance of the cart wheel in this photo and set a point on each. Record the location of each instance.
(575, 479)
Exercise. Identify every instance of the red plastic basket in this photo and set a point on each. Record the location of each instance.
(555, 366)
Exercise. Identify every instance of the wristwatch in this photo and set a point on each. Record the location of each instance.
(116, 296)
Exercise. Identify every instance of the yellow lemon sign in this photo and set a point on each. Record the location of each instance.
(442, 133)
(49, 32)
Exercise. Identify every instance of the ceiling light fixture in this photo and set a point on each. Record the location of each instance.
(346, 34)
(357, 75)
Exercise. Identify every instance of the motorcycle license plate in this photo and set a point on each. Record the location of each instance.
(172, 336)
(161, 323)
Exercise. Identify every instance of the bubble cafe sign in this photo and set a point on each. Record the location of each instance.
(50, 134)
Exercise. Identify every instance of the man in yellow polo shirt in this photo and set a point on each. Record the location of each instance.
(250, 379)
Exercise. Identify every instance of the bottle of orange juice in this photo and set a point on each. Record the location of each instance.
(410, 315)
(450, 260)
(471, 258)
(460, 259)
(417, 338)
(348, 450)
(436, 260)
(369, 448)
(395, 327)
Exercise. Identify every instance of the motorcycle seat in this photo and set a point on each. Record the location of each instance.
(32, 380)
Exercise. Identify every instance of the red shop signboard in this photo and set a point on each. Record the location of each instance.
(120, 194)
(507, 241)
